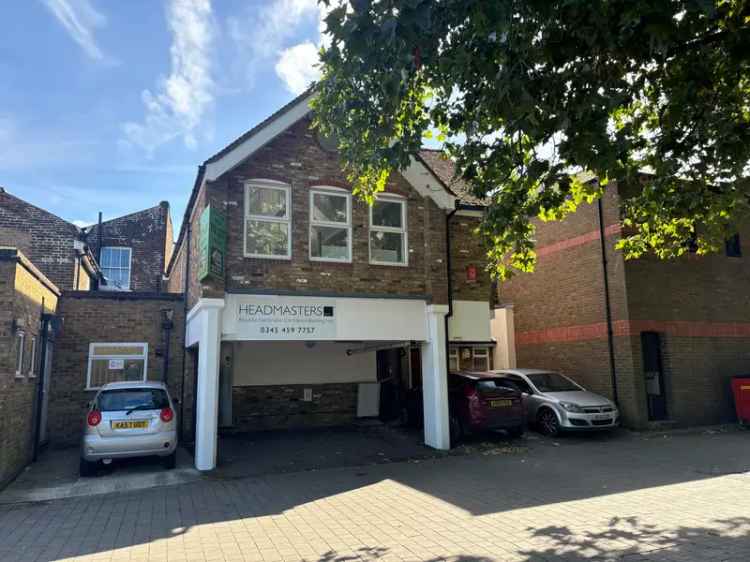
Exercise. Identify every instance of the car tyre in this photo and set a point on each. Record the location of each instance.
(515, 432)
(456, 430)
(170, 461)
(86, 468)
(548, 423)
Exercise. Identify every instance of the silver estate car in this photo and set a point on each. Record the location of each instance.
(555, 403)
(129, 419)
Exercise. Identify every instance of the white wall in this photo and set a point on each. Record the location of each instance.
(470, 322)
(276, 362)
(503, 330)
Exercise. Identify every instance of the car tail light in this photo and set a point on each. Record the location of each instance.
(166, 414)
(470, 391)
(94, 418)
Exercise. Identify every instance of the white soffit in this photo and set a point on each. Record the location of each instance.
(417, 174)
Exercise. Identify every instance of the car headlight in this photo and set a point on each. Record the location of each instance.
(570, 407)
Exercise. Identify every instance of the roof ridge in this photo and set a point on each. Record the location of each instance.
(6, 193)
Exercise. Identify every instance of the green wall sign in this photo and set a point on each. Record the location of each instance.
(212, 244)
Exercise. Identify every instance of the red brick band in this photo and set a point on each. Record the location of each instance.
(592, 236)
(598, 330)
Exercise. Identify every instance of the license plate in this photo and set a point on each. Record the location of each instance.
(130, 424)
(501, 403)
(602, 417)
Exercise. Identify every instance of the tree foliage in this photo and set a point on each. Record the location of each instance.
(524, 93)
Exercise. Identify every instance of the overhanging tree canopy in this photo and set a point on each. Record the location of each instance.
(525, 92)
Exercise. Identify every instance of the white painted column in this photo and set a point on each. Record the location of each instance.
(207, 316)
(435, 380)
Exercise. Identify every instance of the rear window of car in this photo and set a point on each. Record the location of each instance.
(129, 398)
(495, 383)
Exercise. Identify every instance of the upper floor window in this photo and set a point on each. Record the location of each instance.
(733, 247)
(330, 225)
(267, 220)
(388, 231)
(115, 264)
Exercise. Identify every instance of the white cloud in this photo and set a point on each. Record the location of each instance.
(183, 98)
(297, 67)
(80, 19)
(261, 36)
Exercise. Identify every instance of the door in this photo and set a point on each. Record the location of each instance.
(653, 373)
(45, 392)
(388, 363)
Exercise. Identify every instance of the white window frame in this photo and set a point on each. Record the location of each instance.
(403, 230)
(453, 355)
(485, 354)
(279, 186)
(130, 267)
(94, 345)
(32, 361)
(20, 349)
(336, 192)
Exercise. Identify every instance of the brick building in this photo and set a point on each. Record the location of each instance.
(52, 244)
(679, 329)
(306, 306)
(27, 299)
(133, 250)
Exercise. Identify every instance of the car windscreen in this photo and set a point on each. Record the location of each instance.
(132, 398)
(552, 382)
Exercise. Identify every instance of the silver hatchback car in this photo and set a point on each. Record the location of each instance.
(555, 403)
(129, 419)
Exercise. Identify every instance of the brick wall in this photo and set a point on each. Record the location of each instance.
(149, 235)
(107, 317)
(697, 304)
(282, 407)
(468, 250)
(295, 158)
(45, 239)
(24, 294)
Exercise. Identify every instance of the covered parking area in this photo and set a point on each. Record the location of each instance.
(287, 361)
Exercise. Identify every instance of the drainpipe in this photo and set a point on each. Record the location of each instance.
(99, 245)
(40, 382)
(186, 280)
(607, 304)
(450, 281)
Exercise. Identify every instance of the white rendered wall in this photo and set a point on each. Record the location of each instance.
(503, 331)
(470, 321)
(284, 362)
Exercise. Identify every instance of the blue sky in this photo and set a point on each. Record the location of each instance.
(111, 105)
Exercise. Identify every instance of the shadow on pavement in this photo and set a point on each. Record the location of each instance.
(542, 473)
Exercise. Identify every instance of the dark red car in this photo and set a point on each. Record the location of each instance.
(481, 401)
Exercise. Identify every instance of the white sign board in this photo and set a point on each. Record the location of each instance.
(277, 318)
(116, 364)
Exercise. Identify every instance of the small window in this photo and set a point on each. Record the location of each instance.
(267, 220)
(453, 359)
(32, 358)
(20, 344)
(388, 244)
(330, 225)
(113, 362)
(732, 247)
(481, 359)
(115, 264)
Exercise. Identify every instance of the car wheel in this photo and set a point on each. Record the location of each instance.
(86, 468)
(548, 422)
(515, 432)
(170, 461)
(456, 430)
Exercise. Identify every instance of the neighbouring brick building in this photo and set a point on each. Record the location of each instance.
(52, 244)
(679, 328)
(143, 239)
(25, 295)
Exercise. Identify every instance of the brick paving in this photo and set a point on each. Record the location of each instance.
(671, 498)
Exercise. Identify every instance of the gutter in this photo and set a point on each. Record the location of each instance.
(607, 304)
